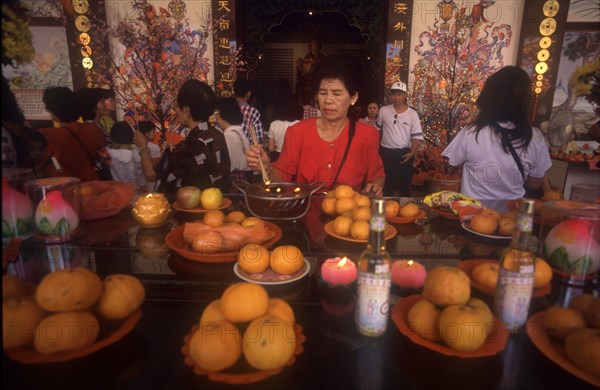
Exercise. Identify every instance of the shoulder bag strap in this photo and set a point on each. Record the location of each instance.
(351, 132)
(506, 142)
(85, 149)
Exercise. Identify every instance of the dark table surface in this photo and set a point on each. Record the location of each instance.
(335, 355)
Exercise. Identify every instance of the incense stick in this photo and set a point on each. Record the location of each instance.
(265, 175)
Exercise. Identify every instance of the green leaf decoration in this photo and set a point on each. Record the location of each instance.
(23, 226)
(560, 259)
(45, 227)
(62, 227)
(581, 265)
(7, 230)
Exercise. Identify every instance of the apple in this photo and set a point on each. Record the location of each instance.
(211, 198)
(188, 197)
(466, 327)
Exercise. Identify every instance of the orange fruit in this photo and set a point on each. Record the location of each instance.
(214, 218)
(341, 225)
(212, 313)
(362, 200)
(269, 343)
(446, 285)
(485, 224)
(423, 318)
(543, 273)
(216, 346)
(558, 321)
(281, 309)
(491, 212)
(344, 204)
(409, 210)
(359, 230)
(242, 302)
(362, 213)
(253, 258)
(506, 226)
(328, 205)
(287, 259)
(235, 216)
(344, 191)
(392, 208)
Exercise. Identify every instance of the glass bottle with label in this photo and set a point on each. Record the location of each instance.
(374, 278)
(517, 268)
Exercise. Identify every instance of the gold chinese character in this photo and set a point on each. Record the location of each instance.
(223, 24)
(225, 60)
(399, 26)
(223, 6)
(400, 8)
(398, 44)
(224, 43)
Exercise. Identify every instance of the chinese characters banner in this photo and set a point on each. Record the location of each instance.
(397, 43)
(225, 46)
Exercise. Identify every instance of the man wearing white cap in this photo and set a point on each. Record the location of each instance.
(401, 133)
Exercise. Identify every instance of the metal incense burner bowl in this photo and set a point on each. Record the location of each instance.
(278, 200)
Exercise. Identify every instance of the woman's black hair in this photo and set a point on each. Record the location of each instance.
(62, 102)
(199, 97)
(229, 110)
(88, 99)
(121, 133)
(340, 66)
(505, 97)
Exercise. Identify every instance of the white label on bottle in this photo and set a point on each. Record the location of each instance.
(382, 268)
(513, 294)
(373, 302)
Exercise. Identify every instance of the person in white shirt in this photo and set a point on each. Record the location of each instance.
(287, 113)
(229, 118)
(401, 134)
(501, 153)
(126, 159)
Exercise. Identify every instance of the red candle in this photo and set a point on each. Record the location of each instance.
(408, 274)
(338, 271)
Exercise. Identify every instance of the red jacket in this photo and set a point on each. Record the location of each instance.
(69, 153)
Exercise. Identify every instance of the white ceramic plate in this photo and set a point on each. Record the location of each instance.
(270, 277)
(466, 226)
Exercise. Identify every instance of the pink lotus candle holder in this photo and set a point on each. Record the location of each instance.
(338, 271)
(408, 274)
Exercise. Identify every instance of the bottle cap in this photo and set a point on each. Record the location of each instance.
(378, 206)
(527, 206)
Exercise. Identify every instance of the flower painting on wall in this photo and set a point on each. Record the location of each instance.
(35, 54)
(155, 47)
(454, 56)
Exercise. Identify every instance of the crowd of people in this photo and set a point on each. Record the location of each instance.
(310, 137)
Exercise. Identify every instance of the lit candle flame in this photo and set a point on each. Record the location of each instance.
(267, 182)
(341, 263)
(410, 262)
(267, 189)
(297, 189)
(278, 189)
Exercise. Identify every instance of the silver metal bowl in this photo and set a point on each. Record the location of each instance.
(279, 200)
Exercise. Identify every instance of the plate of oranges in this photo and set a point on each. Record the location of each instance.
(401, 214)
(491, 224)
(285, 264)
